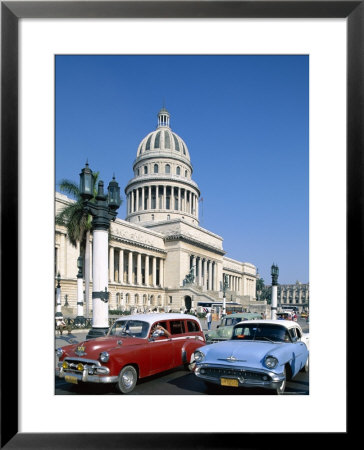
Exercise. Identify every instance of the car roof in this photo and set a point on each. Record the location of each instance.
(285, 323)
(243, 314)
(155, 317)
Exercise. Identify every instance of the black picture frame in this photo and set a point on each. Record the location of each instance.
(11, 12)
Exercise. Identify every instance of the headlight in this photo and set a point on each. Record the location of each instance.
(271, 362)
(65, 365)
(59, 352)
(199, 356)
(104, 357)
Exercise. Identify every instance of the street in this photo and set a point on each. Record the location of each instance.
(177, 381)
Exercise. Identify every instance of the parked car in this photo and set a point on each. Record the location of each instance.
(136, 346)
(224, 330)
(260, 353)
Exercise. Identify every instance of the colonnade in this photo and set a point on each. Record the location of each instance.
(205, 272)
(162, 197)
(135, 268)
(235, 283)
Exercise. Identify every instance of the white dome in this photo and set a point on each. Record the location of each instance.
(163, 140)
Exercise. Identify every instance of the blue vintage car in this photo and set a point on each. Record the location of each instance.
(260, 353)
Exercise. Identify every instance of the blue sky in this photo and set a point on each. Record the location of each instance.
(244, 119)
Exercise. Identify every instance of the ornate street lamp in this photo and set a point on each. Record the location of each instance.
(103, 210)
(274, 272)
(58, 296)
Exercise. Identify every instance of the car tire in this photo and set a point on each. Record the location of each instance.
(127, 379)
(282, 386)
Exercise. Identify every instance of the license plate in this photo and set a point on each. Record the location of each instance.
(71, 379)
(229, 382)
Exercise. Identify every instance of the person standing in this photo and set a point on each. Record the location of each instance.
(209, 319)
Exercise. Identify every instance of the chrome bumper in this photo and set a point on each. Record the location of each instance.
(246, 376)
(92, 372)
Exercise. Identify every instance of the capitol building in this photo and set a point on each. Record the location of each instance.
(160, 258)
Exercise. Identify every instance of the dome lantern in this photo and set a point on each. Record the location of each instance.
(163, 118)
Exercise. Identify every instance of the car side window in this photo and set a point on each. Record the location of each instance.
(177, 327)
(192, 326)
(299, 335)
(293, 335)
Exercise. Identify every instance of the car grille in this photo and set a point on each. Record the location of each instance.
(216, 372)
(87, 364)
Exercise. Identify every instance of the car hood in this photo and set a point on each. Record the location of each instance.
(92, 348)
(245, 353)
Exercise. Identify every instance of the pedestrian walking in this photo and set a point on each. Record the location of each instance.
(209, 319)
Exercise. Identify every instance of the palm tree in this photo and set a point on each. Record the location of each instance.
(78, 224)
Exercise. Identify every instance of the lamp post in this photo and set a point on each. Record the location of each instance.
(274, 272)
(225, 285)
(58, 296)
(103, 210)
(80, 319)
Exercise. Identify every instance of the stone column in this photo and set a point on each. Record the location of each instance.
(200, 271)
(194, 266)
(210, 276)
(121, 266)
(147, 270)
(161, 272)
(205, 273)
(149, 197)
(154, 271)
(139, 269)
(111, 264)
(143, 198)
(164, 197)
(130, 268)
(179, 199)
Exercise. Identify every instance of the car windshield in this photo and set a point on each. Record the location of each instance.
(133, 328)
(261, 332)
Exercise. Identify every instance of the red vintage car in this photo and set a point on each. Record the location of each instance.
(135, 347)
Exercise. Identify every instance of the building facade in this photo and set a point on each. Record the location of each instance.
(159, 256)
(297, 294)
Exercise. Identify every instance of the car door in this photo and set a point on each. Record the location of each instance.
(300, 352)
(178, 336)
(160, 351)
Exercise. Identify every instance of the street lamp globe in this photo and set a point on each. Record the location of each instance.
(86, 183)
(113, 190)
(274, 272)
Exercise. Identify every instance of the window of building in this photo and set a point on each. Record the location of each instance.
(167, 141)
(170, 299)
(168, 168)
(178, 170)
(156, 168)
(186, 173)
(145, 170)
(176, 145)
(157, 140)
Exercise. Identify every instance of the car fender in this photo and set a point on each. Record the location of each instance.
(189, 347)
